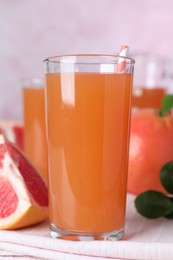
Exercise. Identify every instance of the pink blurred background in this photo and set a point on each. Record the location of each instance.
(32, 30)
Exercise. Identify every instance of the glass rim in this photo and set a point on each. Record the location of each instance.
(32, 82)
(58, 58)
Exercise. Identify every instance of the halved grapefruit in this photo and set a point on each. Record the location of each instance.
(23, 191)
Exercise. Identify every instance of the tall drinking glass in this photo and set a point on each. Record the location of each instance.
(88, 108)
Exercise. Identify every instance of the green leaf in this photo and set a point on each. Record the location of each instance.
(153, 204)
(166, 176)
(167, 105)
(170, 215)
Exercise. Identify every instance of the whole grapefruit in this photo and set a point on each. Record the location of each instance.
(151, 146)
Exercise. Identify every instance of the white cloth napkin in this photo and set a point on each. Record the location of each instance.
(144, 240)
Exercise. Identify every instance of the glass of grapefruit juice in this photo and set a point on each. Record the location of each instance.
(35, 144)
(148, 97)
(150, 81)
(88, 107)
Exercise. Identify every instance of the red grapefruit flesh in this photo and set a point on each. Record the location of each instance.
(7, 197)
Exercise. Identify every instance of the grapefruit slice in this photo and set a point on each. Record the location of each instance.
(23, 191)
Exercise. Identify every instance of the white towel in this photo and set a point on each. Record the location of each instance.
(144, 240)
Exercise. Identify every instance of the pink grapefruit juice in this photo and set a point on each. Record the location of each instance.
(88, 135)
(149, 98)
(35, 145)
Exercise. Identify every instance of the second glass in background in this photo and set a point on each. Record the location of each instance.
(35, 145)
(151, 81)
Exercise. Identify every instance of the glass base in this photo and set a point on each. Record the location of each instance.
(59, 233)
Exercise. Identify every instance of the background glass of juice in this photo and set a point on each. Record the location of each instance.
(35, 145)
(88, 113)
(151, 81)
